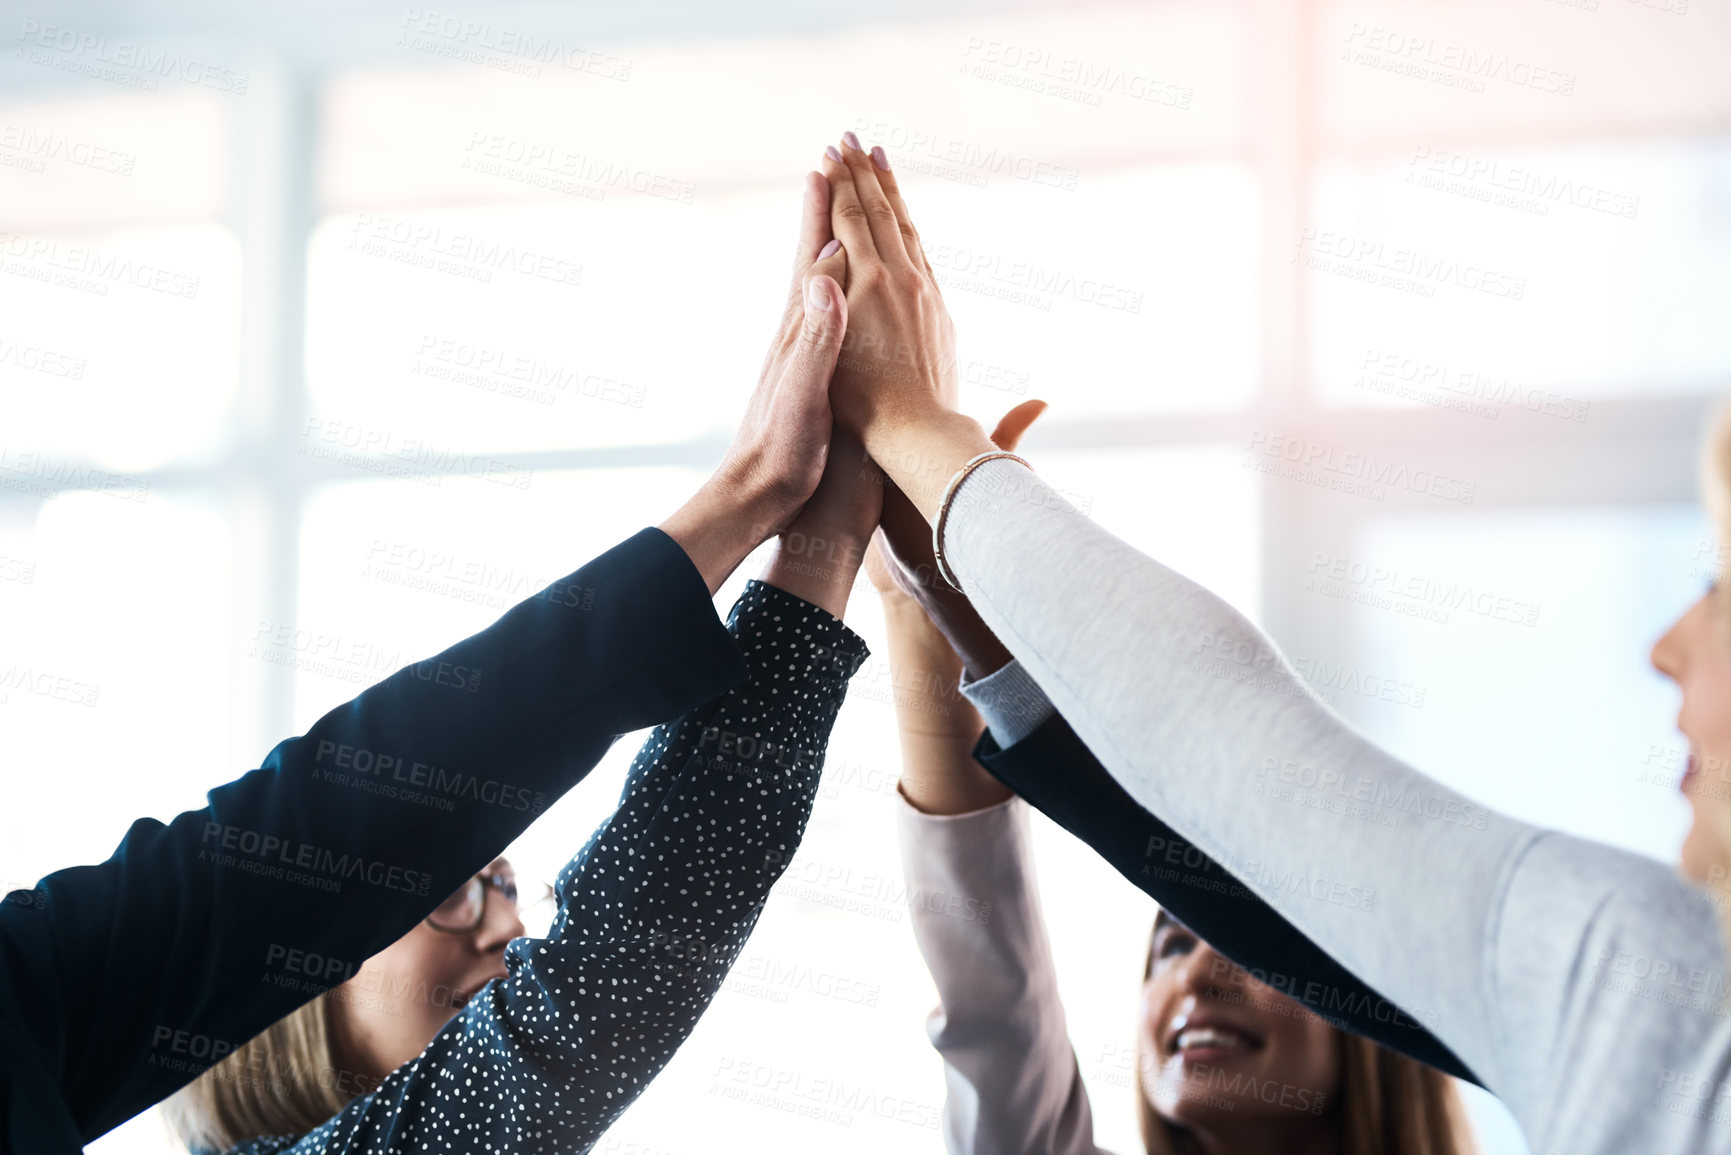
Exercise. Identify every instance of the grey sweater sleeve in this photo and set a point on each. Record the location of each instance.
(1011, 1082)
(1010, 702)
(1490, 924)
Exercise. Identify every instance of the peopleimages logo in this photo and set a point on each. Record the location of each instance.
(1362, 258)
(88, 54)
(1452, 65)
(1395, 802)
(36, 359)
(1359, 473)
(468, 255)
(104, 268)
(503, 47)
(1528, 188)
(915, 145)
(41, 147)
(1390, 586)
(273, 851)
(1459, 387)
(1024, 282)
(1071, 77)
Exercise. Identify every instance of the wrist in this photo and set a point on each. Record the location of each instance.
(759, 508)
(935, 609)
(817, 563)
(826, 539)
(718, 526)
(954, 616)
(921, 448)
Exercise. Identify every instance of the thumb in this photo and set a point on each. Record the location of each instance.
(825, 302)
(825, 315)
(1015, 423)
(809, 362)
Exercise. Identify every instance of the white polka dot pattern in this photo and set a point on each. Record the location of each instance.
(652, 913)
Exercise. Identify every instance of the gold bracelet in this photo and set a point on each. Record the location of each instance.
(944, 570)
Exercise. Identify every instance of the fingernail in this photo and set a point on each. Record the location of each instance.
(879, 159)
(829, 150)
(829, 249)
(849, 139)
(816, 296)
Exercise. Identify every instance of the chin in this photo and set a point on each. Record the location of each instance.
(1193, 1094)
(1204, 1116)
(1701, 853)
(1186, 1106)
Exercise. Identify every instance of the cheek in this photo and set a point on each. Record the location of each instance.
(1707, 696)
(418, 966)
(1154, 1009)
(1308, 1057)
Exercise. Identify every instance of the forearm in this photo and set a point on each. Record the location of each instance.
(938, 727)
(720, 525)
(392, 781)
(653, 912)
(909, 537)
(1010, 1074)
(1204, 723)
(817, 562)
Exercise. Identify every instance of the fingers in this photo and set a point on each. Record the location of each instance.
(847, 216)
(880, 217)
(831, 262)
(814, 231)
(892, 190)
(825, 322)
(1015, 423)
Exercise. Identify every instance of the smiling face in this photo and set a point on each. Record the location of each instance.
(1223, 1051)
(1695, 653)
(402, 997)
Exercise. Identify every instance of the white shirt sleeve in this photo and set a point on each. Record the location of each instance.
(1011, 1079)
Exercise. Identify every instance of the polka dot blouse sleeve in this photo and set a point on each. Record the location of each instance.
(652, 913)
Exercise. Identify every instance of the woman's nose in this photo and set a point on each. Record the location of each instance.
(1667, 655)
(1205, 971)
(499, 925)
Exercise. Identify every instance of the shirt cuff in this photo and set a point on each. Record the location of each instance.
(786, 631)
(1011, 702)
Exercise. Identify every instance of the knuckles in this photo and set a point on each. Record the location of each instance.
(913, 285)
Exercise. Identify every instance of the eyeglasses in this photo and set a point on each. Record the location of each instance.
(464, 910)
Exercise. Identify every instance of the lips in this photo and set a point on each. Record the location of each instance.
(467, 994)
(1209, 1038)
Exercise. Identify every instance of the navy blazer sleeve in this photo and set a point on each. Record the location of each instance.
(1053, 769)
(120, 983)
(652, 913)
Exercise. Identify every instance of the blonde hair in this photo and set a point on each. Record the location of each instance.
(1387, 1104)
(283, 1081)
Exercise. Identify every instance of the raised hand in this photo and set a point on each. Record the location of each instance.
(898, 360)
(779, 450)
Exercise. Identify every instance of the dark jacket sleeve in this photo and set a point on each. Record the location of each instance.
(652, 913)
(119, 983)
(1053, 769)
